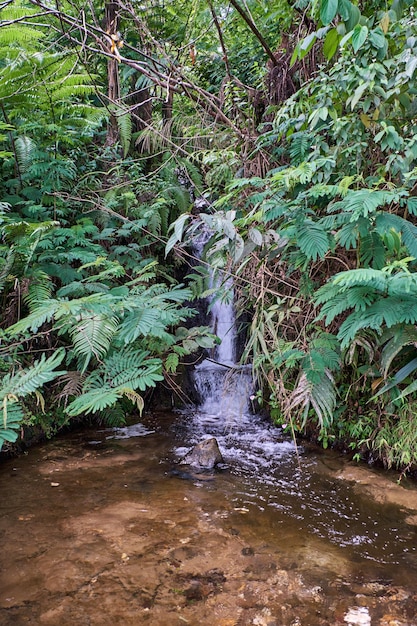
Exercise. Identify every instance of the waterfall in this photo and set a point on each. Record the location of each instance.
(223, 387)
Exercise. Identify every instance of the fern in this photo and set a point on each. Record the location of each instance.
(91, 337)
(372, 251)
(113, 416)
(172, 362)
(323, 399)
(120, 375)
(124, 124)
(364, 202)
(132, 368)
(12, 35)
(39, 288)
(140, 322)
(379, 300)
(14, 387)
(25, 148)
(300, 146)
(312, 239)
(94, 401)
(385, 312)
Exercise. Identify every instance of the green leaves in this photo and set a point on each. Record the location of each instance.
(328, 10)
(313, 240)
(331, 43)
(16, 386)
(121, 374)
(379, 300)
(359, 35)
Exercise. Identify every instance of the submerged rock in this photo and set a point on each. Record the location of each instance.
(204, 455)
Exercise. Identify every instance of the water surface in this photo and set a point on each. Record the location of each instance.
(104, 527)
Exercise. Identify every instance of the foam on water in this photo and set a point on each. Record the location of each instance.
(126, 432)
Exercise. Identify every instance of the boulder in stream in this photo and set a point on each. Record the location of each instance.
(204, 455)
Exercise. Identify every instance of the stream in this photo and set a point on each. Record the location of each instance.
(104, 528)
(108, 527)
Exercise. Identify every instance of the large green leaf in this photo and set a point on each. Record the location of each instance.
(359, 36)
(328, 10)
(330, 43)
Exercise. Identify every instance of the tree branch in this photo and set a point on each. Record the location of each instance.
(255, 30)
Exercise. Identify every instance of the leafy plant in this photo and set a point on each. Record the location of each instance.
(16, 386)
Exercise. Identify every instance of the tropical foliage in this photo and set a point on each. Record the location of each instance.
(126, 132)
(324, 242)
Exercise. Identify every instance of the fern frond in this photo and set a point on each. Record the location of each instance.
(27, 381)
(18, 35)
(134, 397)
(124, 123)
(44, 312)
(171, 362)
(312, 239)
(300, 396)
(372, 251)
(385, 312)
(6, 268)
(73, 382)
(132, 368)
(39, 289)
(114, 416)
(12, 418)
(140, 322)
(375, 279)
(364, 202)
(25, 149)
(92, 336)
(16, 386)
(94, 401)
(323, 399)
(300, 144)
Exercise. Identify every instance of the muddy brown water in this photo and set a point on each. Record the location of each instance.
(104, 528)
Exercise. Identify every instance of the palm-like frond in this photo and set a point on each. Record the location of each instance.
(18, 385)
(91, 336)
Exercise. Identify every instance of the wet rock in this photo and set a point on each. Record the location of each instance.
(182, 475)
(197, 591)
(204, 455)
(369, 588)
(200, 586)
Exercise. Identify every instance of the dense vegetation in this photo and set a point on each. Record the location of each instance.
(288, 128)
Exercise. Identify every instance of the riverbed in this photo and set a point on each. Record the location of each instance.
(106, 527)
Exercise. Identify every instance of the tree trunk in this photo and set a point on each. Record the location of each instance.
(141, 104)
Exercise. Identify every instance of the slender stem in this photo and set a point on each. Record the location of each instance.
(221, 38)
(255, 30)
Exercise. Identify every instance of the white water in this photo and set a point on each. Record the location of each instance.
(223, 386)
(226, 391)
(223, 324)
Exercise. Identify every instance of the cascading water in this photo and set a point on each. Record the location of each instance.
(225, 390)
(223, 386)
